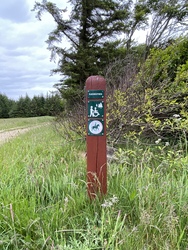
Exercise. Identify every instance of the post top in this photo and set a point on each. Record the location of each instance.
(95, 82)
(95, 77)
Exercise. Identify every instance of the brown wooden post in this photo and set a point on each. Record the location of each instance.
(96, 136)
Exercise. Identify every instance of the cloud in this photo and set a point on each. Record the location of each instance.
(15, 11)
(25, 61)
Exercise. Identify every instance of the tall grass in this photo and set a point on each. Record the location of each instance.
(14, 123)
(44, 203)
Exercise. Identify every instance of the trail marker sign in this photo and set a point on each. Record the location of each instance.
(95, 94)
(96, 109)
(95, 127)
(96, 136)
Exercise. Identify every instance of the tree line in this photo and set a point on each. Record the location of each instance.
(49, 105)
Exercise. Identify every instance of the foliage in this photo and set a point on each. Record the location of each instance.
(168, 20)
(30, 107)
(72, 123)
(88, 30)
(148, 98)
(44, 203)
(144, 103)
(156, 101)
(92, 31)
(165, 87)
(5, 106)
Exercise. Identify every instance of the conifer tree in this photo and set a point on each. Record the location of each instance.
(92, 31)
(5, 106)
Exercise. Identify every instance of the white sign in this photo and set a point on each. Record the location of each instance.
(95, 127)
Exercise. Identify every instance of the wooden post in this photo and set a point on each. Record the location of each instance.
(96, 136)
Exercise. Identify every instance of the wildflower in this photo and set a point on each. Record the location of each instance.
(66, 200)
(110, 202)
(107, 204)
(176, 116)
(167, 143)
(157, 141)
(114, 199)
(145, 217)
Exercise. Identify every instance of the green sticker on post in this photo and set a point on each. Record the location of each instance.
(95, 94)
(96, 127)
(95, 109)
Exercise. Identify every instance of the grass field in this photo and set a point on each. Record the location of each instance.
(14, 123)
(44, 203)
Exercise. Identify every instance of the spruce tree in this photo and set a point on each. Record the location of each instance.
(5, 106)
(92, 31)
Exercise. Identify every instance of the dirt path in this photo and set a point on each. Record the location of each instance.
(8, 135)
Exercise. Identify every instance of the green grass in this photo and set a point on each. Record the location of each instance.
(14, 123)
(44, 202)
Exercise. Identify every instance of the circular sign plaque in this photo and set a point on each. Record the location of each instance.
(95, 127)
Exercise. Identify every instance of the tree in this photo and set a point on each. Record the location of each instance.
(5, 106)
(91, 32)
(168, 20)
(22, 107)
(54, 105)
(34, 107)
(138, 20)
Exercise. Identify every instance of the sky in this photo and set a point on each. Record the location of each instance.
(25, 65)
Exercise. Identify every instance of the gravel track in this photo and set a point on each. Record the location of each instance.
(8, 135)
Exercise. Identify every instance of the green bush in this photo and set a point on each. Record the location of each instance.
(156, 102)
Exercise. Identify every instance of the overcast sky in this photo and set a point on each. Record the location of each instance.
(25, 61)
(25, 65)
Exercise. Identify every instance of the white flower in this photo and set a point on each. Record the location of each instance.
(110, 202)
(66, 200)
(167, 143)
(114, 199)
(176, 116)
(107, 204)
(157, 141)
